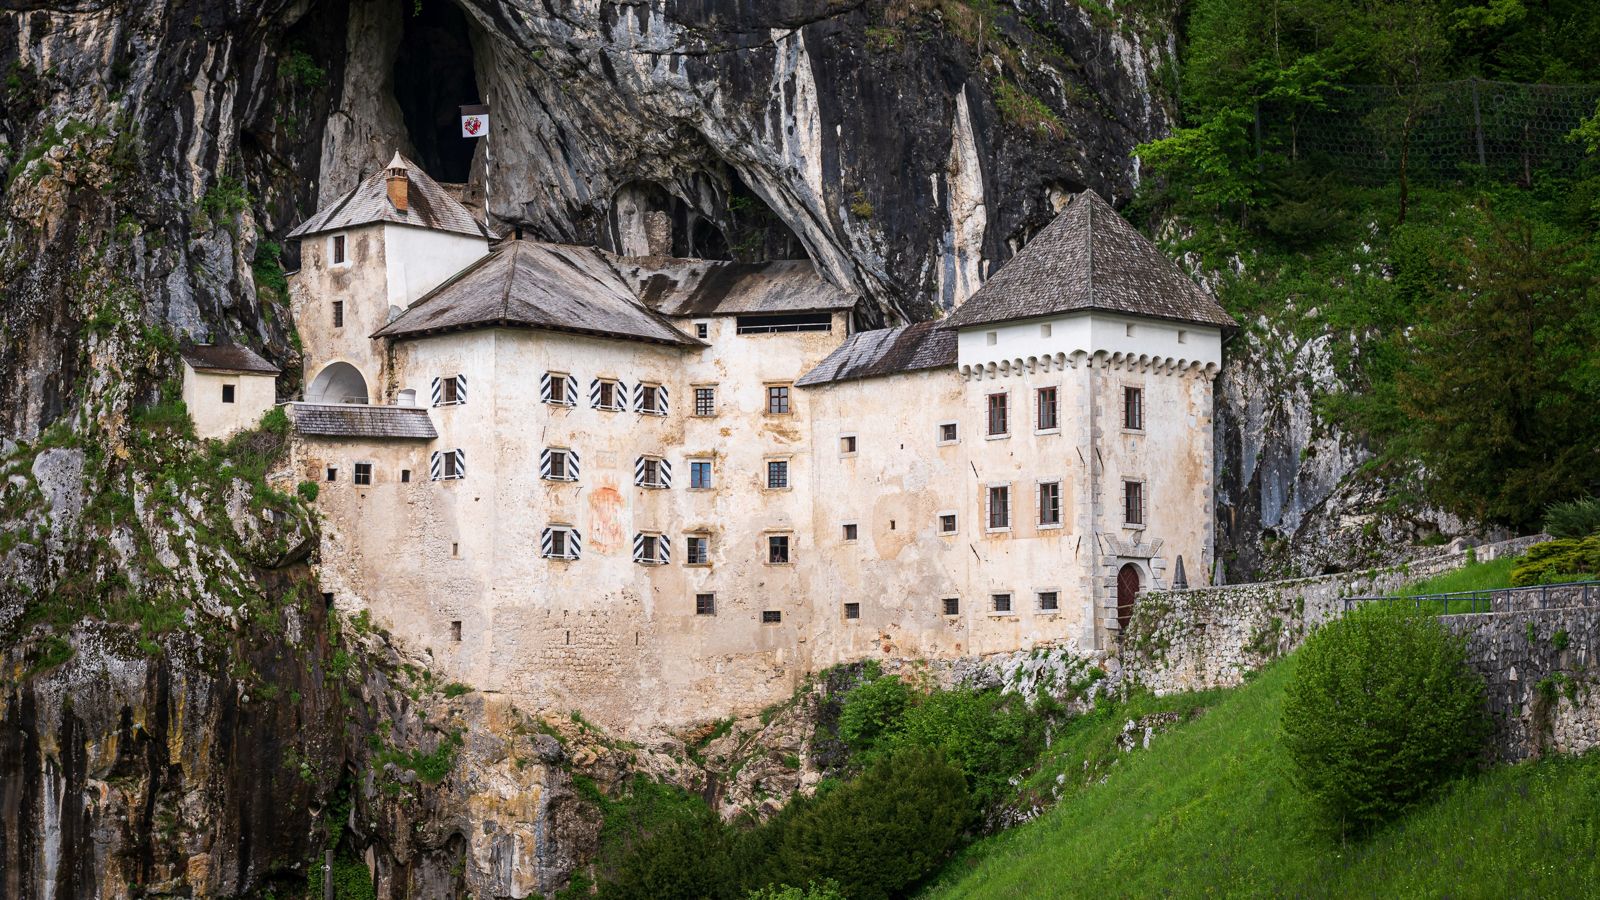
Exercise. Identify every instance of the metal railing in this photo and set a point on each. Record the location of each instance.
(1517, 599)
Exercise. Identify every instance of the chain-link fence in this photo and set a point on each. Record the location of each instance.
(1507, 129)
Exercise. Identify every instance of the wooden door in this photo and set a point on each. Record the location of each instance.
(1127, 589)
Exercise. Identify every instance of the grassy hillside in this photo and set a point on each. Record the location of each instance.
(1208, 810)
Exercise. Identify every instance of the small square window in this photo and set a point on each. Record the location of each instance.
(847, 445)
(1133, 408)
(778, 549)
(952, 606)
(227, 393)
(705, 401)
(405, 476)
(1183, 336)
(702, 330)
(1130, 329)
(999, 414)
(455, 631)
(697, 550)
(338, 313)
(700, 474)
(778, 400)
(947, 523)
(991, 338)
(705, 604)
(771, 616)
(777, 474)
(850, 531)
(1049, 601)
(1001, 602)
(338, 250)
(363, 473)
(852, 610)
(333, 473)
(948, 432)
(1044, 330)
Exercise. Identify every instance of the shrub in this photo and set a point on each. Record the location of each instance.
(870, 710)
(308, 490)
(1547, 562)
(1573, 519)
(1381, 711)
(826, 890)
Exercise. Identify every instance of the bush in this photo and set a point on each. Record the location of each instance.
(1573, 519)
(308, 490)
(1550, 561)
(1381, 711)
(826, 890)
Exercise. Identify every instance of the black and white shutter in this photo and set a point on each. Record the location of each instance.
(594, 394)
(574, 543)
(572, 390)
(545, 456)
(461, 388)
(663, 549)
(461, 463)
(661, 400)
(438, 391)
(436, 464)
(638, 397)
(547, 543)
(572, 467)
(663, 473)
(638, 470)
(544, 388)
(638, 547)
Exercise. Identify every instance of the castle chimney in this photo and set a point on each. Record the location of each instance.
(399, 184)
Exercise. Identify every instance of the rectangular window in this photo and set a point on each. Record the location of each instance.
(1048, 409)
(605, 396)
(652, 399)
(1049, 601)
(948, 433)
(455, 630)
(705, 604)
(705, 401)
(333, 473)
(774, 324)
(697, 550)
(852, 610)
(702, 330)
(1133, 408)
(338, 313)
(449, 392)
(1049, 503)
(847, 445)
(999, 415)
(448, 464)
(561, 542)
(771, 616)
(699, 474)
(363, 474)
(405, 476)
(651, 549)
(558, 543)
(1133, 503)
(652, 472)
(777, 399)
(338, 250)
(227, 393)
(777, 474)
(556, 389)
(999, 508)
(947, 523)
(778, 549)
(560, 465)
(851, 531)
(951, 605)
(1001, 602)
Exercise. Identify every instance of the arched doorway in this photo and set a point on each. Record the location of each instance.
(339, 382)
(1127, 589)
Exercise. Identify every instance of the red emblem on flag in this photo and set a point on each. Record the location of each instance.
(472, 124)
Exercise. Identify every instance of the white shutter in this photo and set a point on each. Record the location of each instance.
(544, 387)
(572, 465)
(461, 388)
(664, 473)
(436, 465)
(544, 463)
(461, 463)
(438, 392)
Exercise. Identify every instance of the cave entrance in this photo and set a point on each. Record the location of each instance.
(433, 79)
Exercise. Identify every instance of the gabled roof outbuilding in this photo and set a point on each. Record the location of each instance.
(227, 359)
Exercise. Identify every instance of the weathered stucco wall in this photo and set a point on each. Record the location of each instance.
(253, 395)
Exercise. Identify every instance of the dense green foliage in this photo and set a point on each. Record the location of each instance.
(1209, 810)
(1573, 519)
(1382, 710)
(1559, 560)
(826, 891)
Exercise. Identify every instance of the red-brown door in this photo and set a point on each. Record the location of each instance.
(1127, 589)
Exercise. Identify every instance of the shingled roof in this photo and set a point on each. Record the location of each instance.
(428, 206)
(702, 287)
(886, 351)
(526, 284)
(1089, 257)
(355, 420)
(227, 358)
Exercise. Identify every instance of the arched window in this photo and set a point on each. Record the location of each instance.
(340, 382)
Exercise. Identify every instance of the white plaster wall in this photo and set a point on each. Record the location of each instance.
(420, 259)
(1088, 333)
(202, 394)
(361, 283)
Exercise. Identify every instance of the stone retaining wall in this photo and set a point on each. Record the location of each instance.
(1542, 674)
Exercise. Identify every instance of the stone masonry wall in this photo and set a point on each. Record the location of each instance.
(1542, 674)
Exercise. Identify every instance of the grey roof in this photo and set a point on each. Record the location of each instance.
(227, 358)
(703, 287)
(361, 421)
(886, 351)
(526, 284)
(428, 206)
(1089, 257)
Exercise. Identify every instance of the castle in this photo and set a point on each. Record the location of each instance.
(663, 490)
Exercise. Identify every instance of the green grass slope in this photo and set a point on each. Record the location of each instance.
(1209, 810)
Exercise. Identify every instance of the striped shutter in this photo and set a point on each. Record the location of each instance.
(638, 471)
(574, 543)
(461, 463)
(572, 390)
(544, 464)
(544, 387)
(638, 547)
(547, 543)
(572, 467)
(661, 400)
(619, 399)
(638, 397)
(438, 391)
(664, 472)
(436, 465)
(594, 394)
(461, 388)
(663, 549)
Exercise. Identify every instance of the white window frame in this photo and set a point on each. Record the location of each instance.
(1061, 513)
(1038, 600)
(1056, 428)
(658, 395)
(988, 511)
(854, 443)
(1011, 602)
(766, 473)
(457, 383)
(989, 435)
(571, 542)
(334, 241)
(569, 388)
(663, 472)
(938, 522)
(1144, 503)
(939, 438)
(619, 394)
(657, 540)
(766, 549)
(711, 467)
(570, 469)
(688, 543)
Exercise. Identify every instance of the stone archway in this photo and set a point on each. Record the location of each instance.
(1127, 589)
(338, 382)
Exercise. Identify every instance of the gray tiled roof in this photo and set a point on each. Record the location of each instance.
(1088, 258)
(528, 284)
(361, 421)
(701, 287)
(428, 206)
(886, 351)
(227, 358)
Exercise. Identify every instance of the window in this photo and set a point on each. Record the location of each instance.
(699, 474)
(778, 549)
(702, 330)
(951, 605)
(558, 464)
(851, 531)
(1133, 408)
(338, 313)
(777, 399)
(651, 549)
(1001, 602)
(605, 393)
(1049, 503)
(558, 389)
(1049, 601)
(780, 323)
(405, 476)
(705, 400)
(777, 474)
(650, 399)
(227, 393)
(1133, 503)
(705, 604)
(447, 465)
(999, 508)
(561, 542)
(847, 445)
(652, 472)
(1183, 336)
(1044, 330)
(1048, 418)
(947, 523)
(333, 473)
(455, 631)
(450, 391)
(1130, 329)
(852, 610)
(337, 255)
(999, 420)
(363, 474)
(991, 338)
(697, 550)
(771, 616)
(948, 433)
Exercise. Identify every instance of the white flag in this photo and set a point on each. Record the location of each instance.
(474, 121)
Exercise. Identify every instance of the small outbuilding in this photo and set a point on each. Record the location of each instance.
(227, 388)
